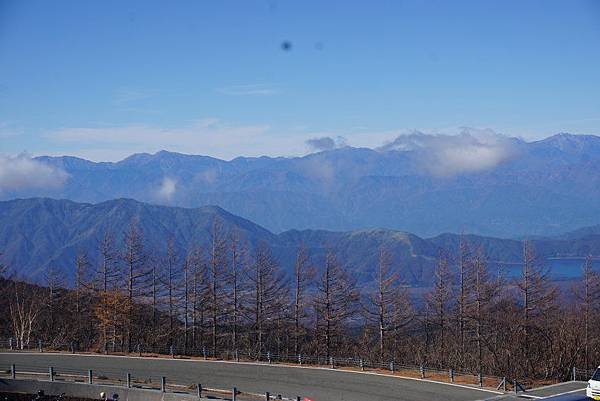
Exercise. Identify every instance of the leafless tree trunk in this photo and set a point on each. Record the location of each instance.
(269, 292)
(56, 284)
(484, 292)
(199, 291)
(218, 268)
(336, 301)
(464, 284)
(107, 276)
(588, 296)
(156, 286)
(538, 298)
(439, 304)
(185, 297)
(137, 272)
(388, 305)
(171, 282)
(25, 308)
(82, 288)
(303, 276)
(236, 285)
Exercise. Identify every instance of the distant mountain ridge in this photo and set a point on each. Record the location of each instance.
(427, 185)
(39, 232)
(580, 233)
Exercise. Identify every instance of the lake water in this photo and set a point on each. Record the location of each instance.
(559, 269)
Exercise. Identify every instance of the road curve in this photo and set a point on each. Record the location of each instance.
(318, 384)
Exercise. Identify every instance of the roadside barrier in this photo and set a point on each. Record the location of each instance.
(450, 375)
(129, 381)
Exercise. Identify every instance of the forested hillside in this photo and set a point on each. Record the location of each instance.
(39, 234)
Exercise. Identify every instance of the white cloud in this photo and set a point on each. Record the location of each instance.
(320, 169)
(22, 172)
(167, 189)
(319, 144)
(249, 90)
(443, 155)
(469, 150)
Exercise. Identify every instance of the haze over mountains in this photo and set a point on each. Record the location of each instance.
(37, 233)
(426, 184)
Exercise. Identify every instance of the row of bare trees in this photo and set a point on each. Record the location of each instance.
(227, 295)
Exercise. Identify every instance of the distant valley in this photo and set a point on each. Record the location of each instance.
(40, 232)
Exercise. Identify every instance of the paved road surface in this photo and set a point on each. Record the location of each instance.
(569, 391)
(579, 396)
(318, 384)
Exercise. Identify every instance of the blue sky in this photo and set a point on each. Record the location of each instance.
(105, 79)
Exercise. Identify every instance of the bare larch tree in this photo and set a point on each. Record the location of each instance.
(336, 303)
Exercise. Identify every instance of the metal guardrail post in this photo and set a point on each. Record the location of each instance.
(574, 373)
(515, 386)
(40, 348)
(51, 373)
(269, 356)
(163, 384)
(451, 375)
(234, 394)
(392, 367)
(10, 343)
(199, 388)
(128, 378)
(13, 371)
(480, 379)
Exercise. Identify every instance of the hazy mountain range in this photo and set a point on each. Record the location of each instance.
(426, 184)
(39, 232)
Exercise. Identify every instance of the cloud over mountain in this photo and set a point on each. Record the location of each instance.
(477, 181)
(23, 173)
(325, 143)
(471, 150)
(167, 189)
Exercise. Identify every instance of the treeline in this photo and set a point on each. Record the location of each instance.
(228, 296)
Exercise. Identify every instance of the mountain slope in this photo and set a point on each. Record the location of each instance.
(423, 184)
(37, 233)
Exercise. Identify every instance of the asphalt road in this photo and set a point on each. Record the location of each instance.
(569, 391)
(318, 384)
(579, 396)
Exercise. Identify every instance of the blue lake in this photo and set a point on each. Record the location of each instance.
(559, 269)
